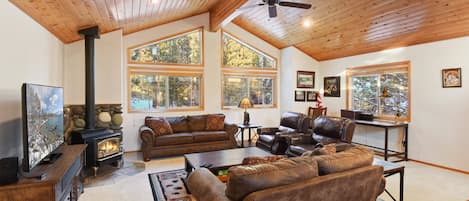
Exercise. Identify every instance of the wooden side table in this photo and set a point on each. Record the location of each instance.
(242, 127)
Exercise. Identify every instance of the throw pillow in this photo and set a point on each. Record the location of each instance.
(215, 122)
(243, 180)
(160, 126)
(197, 122)
(321, 149)
(261, 160)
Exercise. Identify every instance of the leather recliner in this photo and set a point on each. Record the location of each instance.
(270, 139)
(327, 130)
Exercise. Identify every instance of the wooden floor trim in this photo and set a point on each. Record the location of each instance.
(440, 166)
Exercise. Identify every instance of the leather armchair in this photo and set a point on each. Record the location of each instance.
(273, 138)
(327, 130)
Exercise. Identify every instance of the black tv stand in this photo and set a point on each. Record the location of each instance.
(51, 158)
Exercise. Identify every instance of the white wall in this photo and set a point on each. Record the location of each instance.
(212, 75)
(108, 70)
(294, 60)
(28, 53)
(439, 129)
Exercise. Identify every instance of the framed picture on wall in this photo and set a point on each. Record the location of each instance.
(332, 86)
(311, 96)
(451, 77)
(300, 96)
(305, 79)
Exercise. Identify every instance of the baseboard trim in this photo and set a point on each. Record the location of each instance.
(439, 166)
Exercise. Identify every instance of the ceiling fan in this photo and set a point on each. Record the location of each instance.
(273, 6)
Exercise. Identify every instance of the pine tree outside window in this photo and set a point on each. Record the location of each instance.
(382, 90)
(181, 49)
(166, 74)
(247, 72)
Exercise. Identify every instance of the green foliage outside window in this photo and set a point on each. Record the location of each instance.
(239, 55)
(259, 90)
(182, 49)
(153, 92)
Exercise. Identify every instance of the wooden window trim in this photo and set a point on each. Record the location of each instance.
(202, 41)
(223, 31)
(166, 72)
(395, 67)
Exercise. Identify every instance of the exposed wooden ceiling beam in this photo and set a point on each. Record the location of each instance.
(223, 12)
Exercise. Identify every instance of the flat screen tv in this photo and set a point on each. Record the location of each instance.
(43, 128)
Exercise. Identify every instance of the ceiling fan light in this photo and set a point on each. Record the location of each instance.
(307, 23)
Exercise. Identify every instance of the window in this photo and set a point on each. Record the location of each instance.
(259, 89)
(247, 72)
(155, 92)
(240, 55)
(182, 49)
(382, 90)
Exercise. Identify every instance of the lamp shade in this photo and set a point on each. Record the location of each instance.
(245, 103)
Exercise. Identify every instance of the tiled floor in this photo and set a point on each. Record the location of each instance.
(422, 183)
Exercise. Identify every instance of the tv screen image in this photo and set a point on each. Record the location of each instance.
(43, 130)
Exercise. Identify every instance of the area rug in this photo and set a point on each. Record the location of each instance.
(170, 186)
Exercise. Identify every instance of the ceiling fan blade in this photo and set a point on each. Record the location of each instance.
(295, 5)
(272, 11)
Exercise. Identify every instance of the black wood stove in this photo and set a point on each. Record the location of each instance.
(104, 145)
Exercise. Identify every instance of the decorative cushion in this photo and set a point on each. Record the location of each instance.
(243, 180)
(321, 149)
(352, 158)
(160, 126)
(215, 122)
(261, 160)
(197, 122)
(178, 124)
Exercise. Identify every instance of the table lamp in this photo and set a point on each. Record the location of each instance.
(245, 103)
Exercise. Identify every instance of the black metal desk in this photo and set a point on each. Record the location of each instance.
(387, 125)
(249, 127)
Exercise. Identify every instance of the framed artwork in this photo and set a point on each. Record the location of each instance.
(300, 96)
(305, 79)
(451, 77)
(311, 96)
(332, 86)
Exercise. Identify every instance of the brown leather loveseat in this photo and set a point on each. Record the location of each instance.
(344, 176)
(327, 130)
(186, 134)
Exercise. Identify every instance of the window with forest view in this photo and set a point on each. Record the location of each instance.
(240, 55)
(247, 72)
(383, 91)
(260, 90)
(154, 92)
(183, 49)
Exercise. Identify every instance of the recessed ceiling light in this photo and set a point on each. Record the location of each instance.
(307, 23)
(155, 1)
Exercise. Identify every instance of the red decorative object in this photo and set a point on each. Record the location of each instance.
(319, 100)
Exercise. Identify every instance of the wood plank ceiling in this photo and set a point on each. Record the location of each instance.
(339, 28)
(64, 18)
(343, 28)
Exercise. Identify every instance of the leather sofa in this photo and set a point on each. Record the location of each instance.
(327, 130)
(189, 134)
(271, 139)
(345, 176)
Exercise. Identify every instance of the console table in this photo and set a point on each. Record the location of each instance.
(62, 179)
(387, 125)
